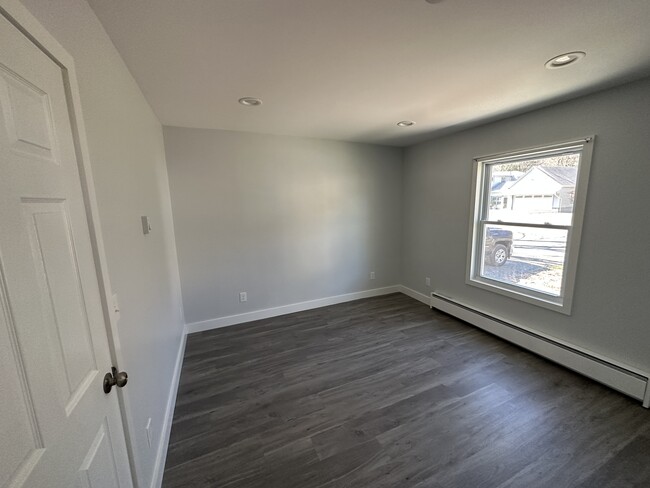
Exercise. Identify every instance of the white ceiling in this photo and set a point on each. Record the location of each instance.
(351, 69)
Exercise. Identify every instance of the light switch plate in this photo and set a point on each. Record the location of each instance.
(146, 225)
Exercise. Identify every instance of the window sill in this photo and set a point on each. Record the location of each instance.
(557, 304)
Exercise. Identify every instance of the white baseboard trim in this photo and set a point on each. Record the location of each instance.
(286, 309)
(415, 294)
(621, 377)
(163, 443)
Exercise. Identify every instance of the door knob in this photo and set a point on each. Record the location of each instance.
(115, 379)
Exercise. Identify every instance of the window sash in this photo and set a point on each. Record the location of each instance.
(479, 220)
(516, 288)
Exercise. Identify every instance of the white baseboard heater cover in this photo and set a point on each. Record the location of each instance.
(605, 371)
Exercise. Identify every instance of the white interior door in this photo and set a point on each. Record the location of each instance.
(57, 427)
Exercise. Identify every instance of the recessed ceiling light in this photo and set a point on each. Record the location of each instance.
(405, 123)
(250, 101)
(434, 1)
(564, 60)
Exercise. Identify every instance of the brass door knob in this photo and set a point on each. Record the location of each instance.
(115, 379)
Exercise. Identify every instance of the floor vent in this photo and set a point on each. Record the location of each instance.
(617, 376)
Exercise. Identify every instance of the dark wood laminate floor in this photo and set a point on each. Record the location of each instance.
(385, 392)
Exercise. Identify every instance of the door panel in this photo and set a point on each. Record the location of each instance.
(59, 429)
(98, 469)
(21, 441)
(28, 120)
(55, 259)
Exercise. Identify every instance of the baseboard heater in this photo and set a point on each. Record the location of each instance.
(605, 371)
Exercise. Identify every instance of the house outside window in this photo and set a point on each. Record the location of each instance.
(526, 222)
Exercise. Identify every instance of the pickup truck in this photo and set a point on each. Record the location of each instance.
(498, 246)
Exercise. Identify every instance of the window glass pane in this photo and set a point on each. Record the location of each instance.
(536, 191)
(529, 257)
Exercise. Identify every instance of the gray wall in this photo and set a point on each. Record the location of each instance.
(284, 219)
(611, 301)
(128, 163)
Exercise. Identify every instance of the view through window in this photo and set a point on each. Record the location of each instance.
(526, 214)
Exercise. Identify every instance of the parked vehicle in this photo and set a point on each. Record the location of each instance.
(498, 246)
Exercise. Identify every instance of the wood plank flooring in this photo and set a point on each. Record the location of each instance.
(384, 392)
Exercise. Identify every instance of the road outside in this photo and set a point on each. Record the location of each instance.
(536, 263)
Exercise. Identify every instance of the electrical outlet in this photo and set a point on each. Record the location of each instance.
(372, 275)
(243, 296)
(147, 429)
(427, 281)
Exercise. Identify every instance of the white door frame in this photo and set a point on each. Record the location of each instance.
(25, 22)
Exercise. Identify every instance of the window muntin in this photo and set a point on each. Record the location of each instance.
(526, 222)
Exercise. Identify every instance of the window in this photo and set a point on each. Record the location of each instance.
(526, 222)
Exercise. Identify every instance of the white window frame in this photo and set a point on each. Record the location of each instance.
(478, 220)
